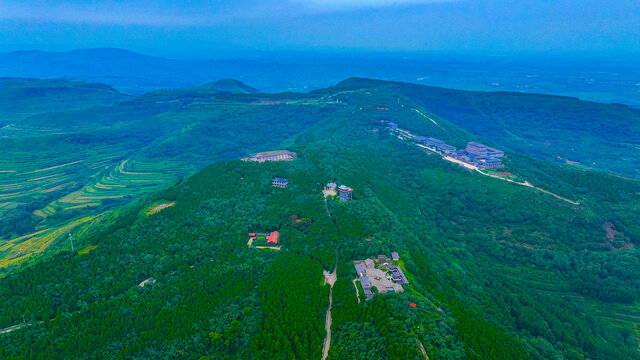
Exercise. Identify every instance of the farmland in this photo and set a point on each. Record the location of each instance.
(62, 166)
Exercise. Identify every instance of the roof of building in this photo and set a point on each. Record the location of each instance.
(279, 179)
(273, 237)
(419, 138)
(366, 283)
(276, 152)
(486, 158)
(368, 263)
(359, 268)
(477, 144)
(395, 255)
(446, 146)
(344, 188)
(435, 140)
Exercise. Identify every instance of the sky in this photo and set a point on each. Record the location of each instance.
(218, 28)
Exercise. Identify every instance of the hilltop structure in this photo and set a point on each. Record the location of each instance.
(383, 279)
(280, 182)
(476, 148)
(272, 239)
(475, 153)
(278, 155)
(345, 193)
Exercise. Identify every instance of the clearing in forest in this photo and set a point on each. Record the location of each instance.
(154, 209)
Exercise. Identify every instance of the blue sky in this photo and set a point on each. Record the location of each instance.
(216, 28)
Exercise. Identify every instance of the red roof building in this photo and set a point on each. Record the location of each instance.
(273, 238)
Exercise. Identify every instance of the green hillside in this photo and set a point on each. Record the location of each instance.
(496, 270)
(64, 168)
(20, 98)
(552, 128)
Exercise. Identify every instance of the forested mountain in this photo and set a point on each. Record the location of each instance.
(67, 161)
(497, 270)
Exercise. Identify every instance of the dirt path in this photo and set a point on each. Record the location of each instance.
(11, 328)
(269, 247)
(528, 184)
(424, 352)
(429, 118)
(329, 278)
(461, 163)
(357, 291)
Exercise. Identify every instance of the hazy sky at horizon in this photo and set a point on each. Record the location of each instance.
(167, 27)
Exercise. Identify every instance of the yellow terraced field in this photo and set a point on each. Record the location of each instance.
(53, 167)
(87, 249)
(58, 187)
(37, 242)
(45, 177)
(81, 206)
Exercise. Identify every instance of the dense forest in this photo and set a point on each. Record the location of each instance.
(496, 270)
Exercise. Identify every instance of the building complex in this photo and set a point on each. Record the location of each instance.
(477, 154)
(385, 277)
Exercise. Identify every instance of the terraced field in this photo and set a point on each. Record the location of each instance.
(63, 166)
(21, 248)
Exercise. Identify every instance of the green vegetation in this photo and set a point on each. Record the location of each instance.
(553, 128)
(21, 98)
(60, 167)
(497, 270)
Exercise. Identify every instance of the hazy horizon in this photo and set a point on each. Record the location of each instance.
(200, 29)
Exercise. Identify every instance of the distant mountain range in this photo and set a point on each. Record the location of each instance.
(135, 73)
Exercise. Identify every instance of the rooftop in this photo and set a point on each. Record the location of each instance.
(273, 237)
(276, 152)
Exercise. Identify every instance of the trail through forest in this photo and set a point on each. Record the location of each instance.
(329, 278)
